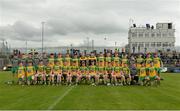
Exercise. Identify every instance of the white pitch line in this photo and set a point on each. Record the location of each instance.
(60, 98)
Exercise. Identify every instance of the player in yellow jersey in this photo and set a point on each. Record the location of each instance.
(126, 73)
(142, 74)
(101, 72)
(74, 73)
(108, 58)
(124, 60)
(148, 60)
(157, 64)
(100, 59)
(93, 73)
(30, 73)
(92, 58)
(51, 60)
(48, 72)
(152, 73)
(21, 73)
(75, 59)
(84, 72)
(67, 59)
(40, 73)
(60, 59)
(116, 59)
(139, 61)
(117, 74)
(66, 72)
(109, 72)
(57, 73)
(83, 59)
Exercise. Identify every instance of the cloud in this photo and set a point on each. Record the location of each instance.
(73, 21)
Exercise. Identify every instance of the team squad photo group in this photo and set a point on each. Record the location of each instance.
(115, 69)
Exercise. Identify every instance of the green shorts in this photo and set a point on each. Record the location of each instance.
(158, 70)
(152, 77)
(13, 69)
(30, 78)
(141, 78)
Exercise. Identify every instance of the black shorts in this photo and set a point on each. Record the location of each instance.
(64, 76)
(109, 76)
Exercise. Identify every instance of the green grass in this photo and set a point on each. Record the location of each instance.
(166, 96)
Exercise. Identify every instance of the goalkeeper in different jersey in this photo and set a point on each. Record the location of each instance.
(30, 73)
(57, 73)
(21, 74)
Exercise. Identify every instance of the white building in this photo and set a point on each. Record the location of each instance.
(150, 39)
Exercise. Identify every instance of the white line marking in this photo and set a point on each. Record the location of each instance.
(60, 98)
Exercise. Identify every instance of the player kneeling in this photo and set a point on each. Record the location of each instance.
(83, 73)
(30, 72)
(126, 72)
(101, 73)
(153, 76)
(74, 73)
(21, 74)
(57, 74)
(48, 73)
(118, 75)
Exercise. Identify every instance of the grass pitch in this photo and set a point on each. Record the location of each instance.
(84, 97)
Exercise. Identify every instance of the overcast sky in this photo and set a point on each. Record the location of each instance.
(72, 21)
